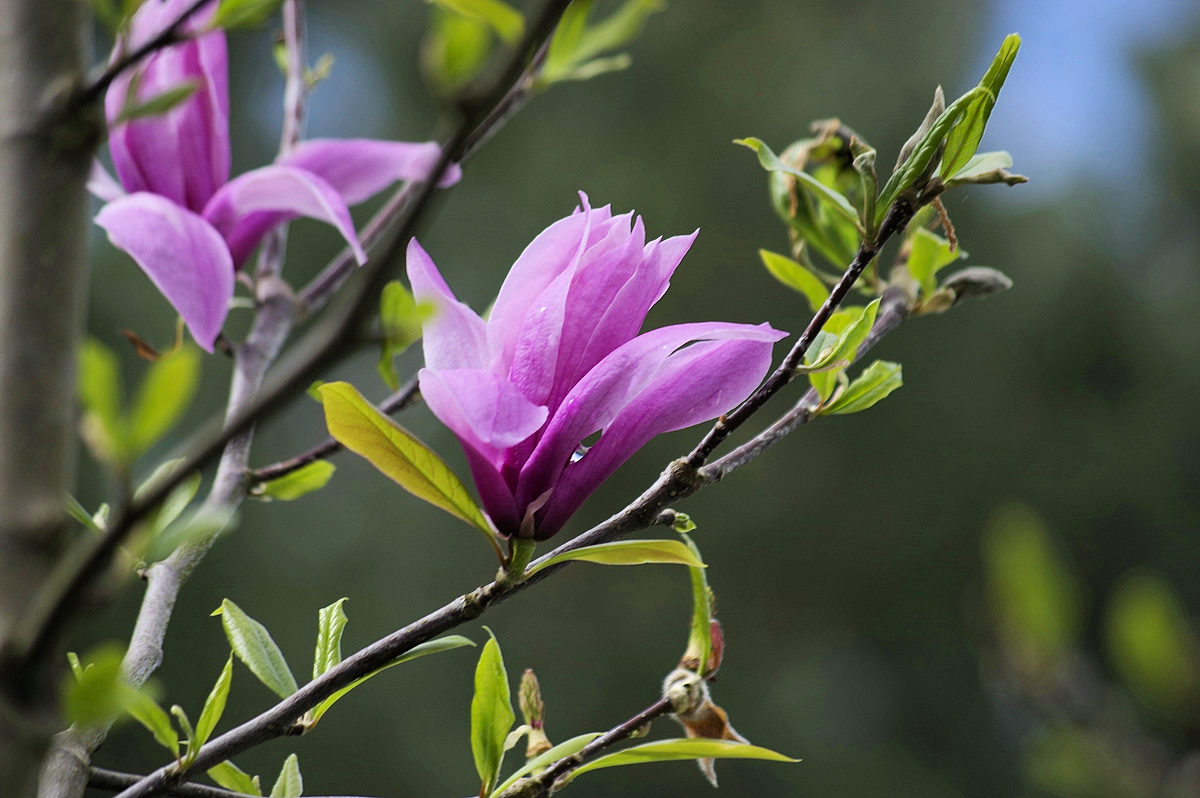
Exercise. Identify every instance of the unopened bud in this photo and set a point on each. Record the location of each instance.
(976, 281)
(533, 709)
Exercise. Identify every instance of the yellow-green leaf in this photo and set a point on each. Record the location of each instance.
(700, 643)
(244, 13)
(876, 381)
(290, 784)
(300, 482)
(491, 713)
(253, 645)
(795, 277)
(507, 21)
(166, 391)
(835, 200)
(147, 712)
(963, 139)
(928, 254)
(214, 707)
(331, 622)
(100, 394)
(361, 428)
(679, 748)
(628, 552)
(98, 695)
(563, 749)
(231, 777)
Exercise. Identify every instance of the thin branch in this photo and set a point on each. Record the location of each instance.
(295, 91)
(169, 36)
(408, 395)
(596, 747)
(114, 780)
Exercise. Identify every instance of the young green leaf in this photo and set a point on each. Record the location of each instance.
(617, 30)
(679, 748)
(864, 164)
(147, 712)
(545, 759)
(231, 777)
(575, 46)
(76, 511)
(508, 23)
(300, 482)
(244, 13)
(362, 429)
(929, 253)
(289, 784)
(984, 168)
(628, 552)
(165, 392)
(700, 633)
(876, 382)
(683, 523)
(401, 317)
(157, 105)
(432, 647)
(491, 713)
(98, 695)
(963, 139)
(851, 330)
(835, 200)
(796, 277)
(331, 621)
(76, 665)
(252, 644)
(454, 51)
(214, 707)
(100, 394)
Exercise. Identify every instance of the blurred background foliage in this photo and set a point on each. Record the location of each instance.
(984, 586)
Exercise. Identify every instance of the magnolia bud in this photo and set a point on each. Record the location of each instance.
(533, 709)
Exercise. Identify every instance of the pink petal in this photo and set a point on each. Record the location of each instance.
(361, 168)
(694, 384)
(455, 338)
(102, 185)
(612, 384)
(180, 252)
(480, 406)
(248, 207)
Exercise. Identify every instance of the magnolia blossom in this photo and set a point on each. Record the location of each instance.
(175, 210)
(560, 359)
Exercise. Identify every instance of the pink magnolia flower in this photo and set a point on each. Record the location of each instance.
(560, 359)
(177, 213)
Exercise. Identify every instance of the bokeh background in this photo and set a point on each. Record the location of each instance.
(860, 613)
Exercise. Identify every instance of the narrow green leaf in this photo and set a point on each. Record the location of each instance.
(508, 22)
(679, 748)
(362, 429)
(795, 277)
(876, 382)
(628, 552)
(76, 666)
(864, 164)
(300, 482)
(165, 393)
(185, 725)
(963, 139)
(454, 51)
(231, 777)
(290, 784)
(929, 253)
(100, 394)
(560, 751)
(491, 713)
(843, 349)
(616, 30)
(432, 647)
(147, 712)
(76, 511)
(400, 317)
(331, 622)
(157, 105)
(177, 500)
(700, 634)
(214, 706)
(596, 67)
(560, 56)
(252, 644)
(244, 13)
(835, 200)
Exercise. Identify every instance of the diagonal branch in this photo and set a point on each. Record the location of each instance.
(114, 780)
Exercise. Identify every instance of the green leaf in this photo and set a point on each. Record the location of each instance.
(545, 759)
(491, 713)
(876, 381)
(231, 777)
(76, 665)
(252, 644)
(76, 511)
(700, 634)
(617, 30)
(683, 523)
(679, 748)
(157, 105)
(361, 428)
(835, 200)
(289, 784)
(1153, 645)
(100, 394)
(98, 695)
(200, 524)
(928, 254)
(184, 724)
(851, 328)
(560, 56)
(508, 23)
(331, 622)
(984, 168)
(454, 51)
(244, 13)
(628, 552)
(963, 139)
(165, 393)
(596, 67)
(301, 482)
(796, 277)
(147, 712)
(177, 500)
(214, 707)
(432, 647)
(864, 164)
(401, 318)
